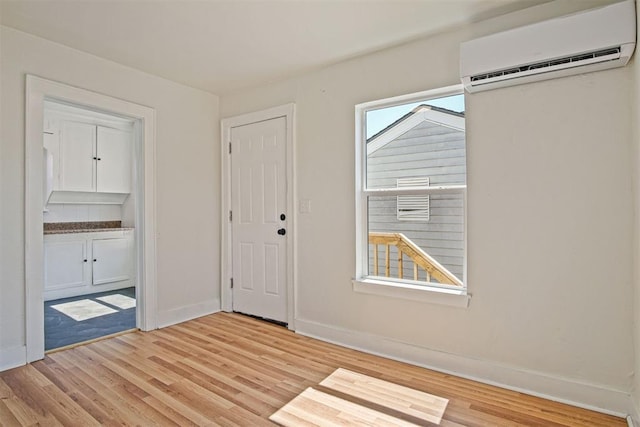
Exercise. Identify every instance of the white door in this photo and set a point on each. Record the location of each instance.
(65, 264)
(114, 150)
(77, 152)
(111, 260)
(259, 219)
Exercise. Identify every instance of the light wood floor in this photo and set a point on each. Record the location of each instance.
(227, 369)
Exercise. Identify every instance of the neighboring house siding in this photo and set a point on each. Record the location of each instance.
(437, 152)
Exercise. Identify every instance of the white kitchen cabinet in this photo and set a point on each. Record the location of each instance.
(111, 259)
(65, 264)
(77, 154)
(94, 158)
(85, 263)
(114, 147)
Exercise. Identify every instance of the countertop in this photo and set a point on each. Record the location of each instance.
(83, 227)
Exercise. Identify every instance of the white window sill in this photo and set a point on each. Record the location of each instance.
(433, 295)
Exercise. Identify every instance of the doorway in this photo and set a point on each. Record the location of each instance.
(89, 223)
(144, 257)
(259, 218)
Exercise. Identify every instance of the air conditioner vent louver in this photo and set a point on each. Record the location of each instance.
(576, 60)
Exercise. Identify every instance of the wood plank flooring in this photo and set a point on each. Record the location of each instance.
(231, 370)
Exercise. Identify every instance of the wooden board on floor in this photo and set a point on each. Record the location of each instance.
(315, 408)
(415, 403)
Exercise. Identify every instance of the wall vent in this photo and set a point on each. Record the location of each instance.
(413, 208)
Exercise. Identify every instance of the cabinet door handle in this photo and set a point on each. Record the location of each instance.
(95, 260)
(95, 158)
(85, 260)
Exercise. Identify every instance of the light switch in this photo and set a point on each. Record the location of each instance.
(305, 206)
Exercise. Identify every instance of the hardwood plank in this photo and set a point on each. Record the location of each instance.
(16, 409)
(7, 418)
(39, 393)
(84, 395)
(232, 370)
(113, 391)
(418, 404)
(322, 409)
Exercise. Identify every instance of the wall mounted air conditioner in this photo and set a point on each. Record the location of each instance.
(592, 40)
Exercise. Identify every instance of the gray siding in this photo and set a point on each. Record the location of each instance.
(436, 152)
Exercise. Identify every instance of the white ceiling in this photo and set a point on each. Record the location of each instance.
(223, 45)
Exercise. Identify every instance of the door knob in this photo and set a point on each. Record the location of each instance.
(282, 232)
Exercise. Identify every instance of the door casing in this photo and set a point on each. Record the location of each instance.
(226, 271)
(37, 90)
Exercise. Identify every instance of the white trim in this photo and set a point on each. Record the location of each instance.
(361, 205)
(634, 414)
(12, 357)
(424, 115)
(410, 98)
(37, 90)
(188, 312)
(288, 111)
(428, 294)
(590, 396)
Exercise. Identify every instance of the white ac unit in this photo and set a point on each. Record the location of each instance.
(592, 40)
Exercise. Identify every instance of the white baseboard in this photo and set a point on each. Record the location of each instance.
(581, 394)
(633, 419)
(187, 312)
(13, 357)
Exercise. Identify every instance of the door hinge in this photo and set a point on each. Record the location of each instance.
(232, 283)
(229, 147)
(230, 216)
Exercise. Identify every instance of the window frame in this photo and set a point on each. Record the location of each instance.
(390, 287)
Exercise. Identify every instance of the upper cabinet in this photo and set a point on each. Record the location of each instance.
(114, 148)
(94, 158)
(77, 151)
(88, 156)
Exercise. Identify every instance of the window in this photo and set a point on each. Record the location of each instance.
(410, 191)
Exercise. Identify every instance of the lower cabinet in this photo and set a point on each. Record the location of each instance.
(111, 259)
(85, 263)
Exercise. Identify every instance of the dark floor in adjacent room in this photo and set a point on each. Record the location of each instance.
(61, 330)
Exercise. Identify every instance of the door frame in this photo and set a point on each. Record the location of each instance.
(37, 90)
(287, 111)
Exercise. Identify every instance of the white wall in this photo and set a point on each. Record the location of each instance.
(549, 222)
(187, 182)
(635, 111)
